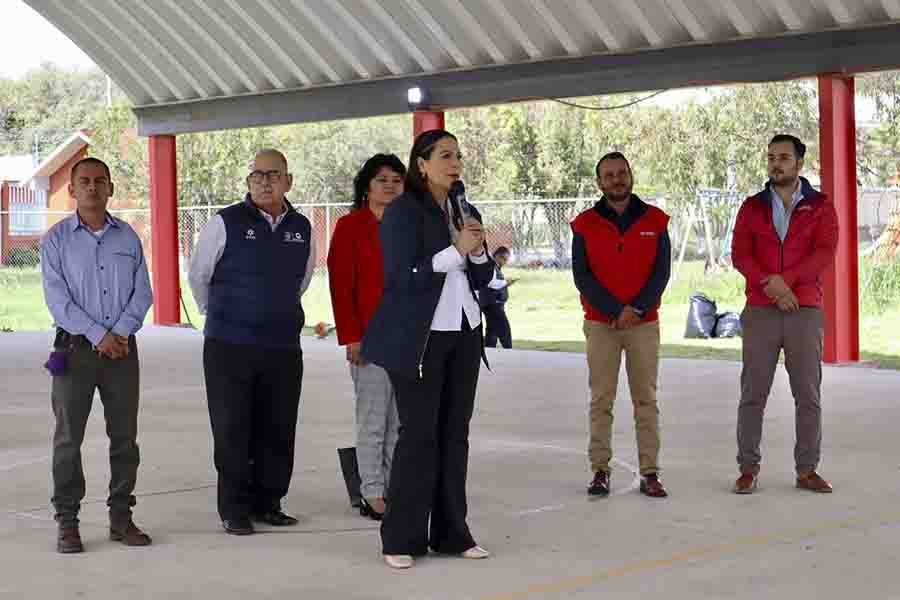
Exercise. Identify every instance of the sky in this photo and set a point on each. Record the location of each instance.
(28, 40)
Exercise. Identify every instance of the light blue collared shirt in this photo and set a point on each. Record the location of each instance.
(781, 217)
(94, 284)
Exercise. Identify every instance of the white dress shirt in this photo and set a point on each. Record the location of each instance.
(209, 249)
(456, 296)
(497, 284)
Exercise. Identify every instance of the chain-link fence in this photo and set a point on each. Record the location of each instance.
(535, 230)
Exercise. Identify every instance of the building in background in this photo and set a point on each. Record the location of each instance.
(34, 197)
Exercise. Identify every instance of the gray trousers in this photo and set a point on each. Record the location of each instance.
(766, 331)
(72, 396)
(377, 427)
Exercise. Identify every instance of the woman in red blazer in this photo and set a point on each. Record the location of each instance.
(356, 279)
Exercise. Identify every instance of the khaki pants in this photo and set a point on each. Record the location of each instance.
(766, 331)
(604, 354)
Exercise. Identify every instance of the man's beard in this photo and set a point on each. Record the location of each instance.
(619, 198)
(782, 180)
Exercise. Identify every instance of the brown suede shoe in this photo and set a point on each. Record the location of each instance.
(746, 483)
(129, 534)
(68, 541)
(652, 486)
(813, 482)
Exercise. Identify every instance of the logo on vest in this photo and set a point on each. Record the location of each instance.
(648, 234)
(295, 238)
(251, 235)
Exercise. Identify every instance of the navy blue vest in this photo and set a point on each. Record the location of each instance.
(253, 295)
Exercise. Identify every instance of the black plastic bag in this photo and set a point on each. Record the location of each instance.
(350, 469)
(728, 324)
(701, 319)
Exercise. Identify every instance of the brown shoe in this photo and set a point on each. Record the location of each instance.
(68, 541)
(129, 534)
(746, 483)
(813, 482)
(599, 485)
(652, 486)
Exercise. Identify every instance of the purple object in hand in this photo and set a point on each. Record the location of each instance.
(57, 362)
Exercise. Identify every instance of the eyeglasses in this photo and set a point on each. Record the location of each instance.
(259, 177)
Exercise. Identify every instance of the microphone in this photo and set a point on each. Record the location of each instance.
(457, 198)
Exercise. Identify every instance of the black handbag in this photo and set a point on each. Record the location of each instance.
(350, 470)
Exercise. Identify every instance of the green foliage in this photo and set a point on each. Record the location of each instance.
(45, 106)
(879, 285)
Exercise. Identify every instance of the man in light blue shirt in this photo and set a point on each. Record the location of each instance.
(781, 213)
(98, 291)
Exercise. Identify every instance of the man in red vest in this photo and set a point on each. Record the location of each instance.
(784, 238)
(621, 256)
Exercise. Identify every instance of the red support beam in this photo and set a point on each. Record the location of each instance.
(425, 120)
(4, 222)
(164, 227)
(837, 149)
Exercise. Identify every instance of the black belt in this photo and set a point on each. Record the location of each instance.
(64, 339)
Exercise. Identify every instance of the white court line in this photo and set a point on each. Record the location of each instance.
(635, 482)
(13, 459)
(540, 509)
(499, 444)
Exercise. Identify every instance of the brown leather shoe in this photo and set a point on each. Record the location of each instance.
(746, 483)
(129, 534)
(68, 541)
(599, 485)
(813, 482)
(652, 486)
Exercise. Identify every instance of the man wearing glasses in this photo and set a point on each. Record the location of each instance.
(250, 265)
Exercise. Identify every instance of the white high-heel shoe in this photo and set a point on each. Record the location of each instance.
(475, 552)
(398, 561)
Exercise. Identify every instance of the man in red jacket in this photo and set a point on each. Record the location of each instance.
(784, 239)
(621, 256)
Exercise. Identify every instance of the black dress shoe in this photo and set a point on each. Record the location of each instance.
(241, 526)
(600, 484)
(366, 510)
(275, 518)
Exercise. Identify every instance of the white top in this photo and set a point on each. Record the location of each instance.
(456, 296)
(497, 284)
(209, 249)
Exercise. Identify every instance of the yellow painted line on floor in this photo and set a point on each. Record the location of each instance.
(688, 555)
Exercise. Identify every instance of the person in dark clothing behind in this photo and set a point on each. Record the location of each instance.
(251, 262)
(426, 334)
(493, 298)
(621, 256)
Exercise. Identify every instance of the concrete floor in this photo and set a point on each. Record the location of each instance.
(527, 478)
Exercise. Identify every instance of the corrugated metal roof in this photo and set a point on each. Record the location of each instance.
(164, 52)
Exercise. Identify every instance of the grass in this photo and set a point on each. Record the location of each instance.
(545, 312)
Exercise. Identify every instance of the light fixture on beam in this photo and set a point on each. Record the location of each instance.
(418, 98)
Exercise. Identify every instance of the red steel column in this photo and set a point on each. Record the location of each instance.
(4, 221)
(164, 227)
(837, 149)
(425, 120)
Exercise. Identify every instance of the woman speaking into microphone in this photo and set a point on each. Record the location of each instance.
(426, 334)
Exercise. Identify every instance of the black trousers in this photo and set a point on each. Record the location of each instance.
(432, 453)
(253, 394)
(72, 396)
(497, 326)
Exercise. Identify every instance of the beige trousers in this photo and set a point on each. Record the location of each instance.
(604, 355)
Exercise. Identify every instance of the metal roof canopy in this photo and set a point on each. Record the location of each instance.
(197, 65)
